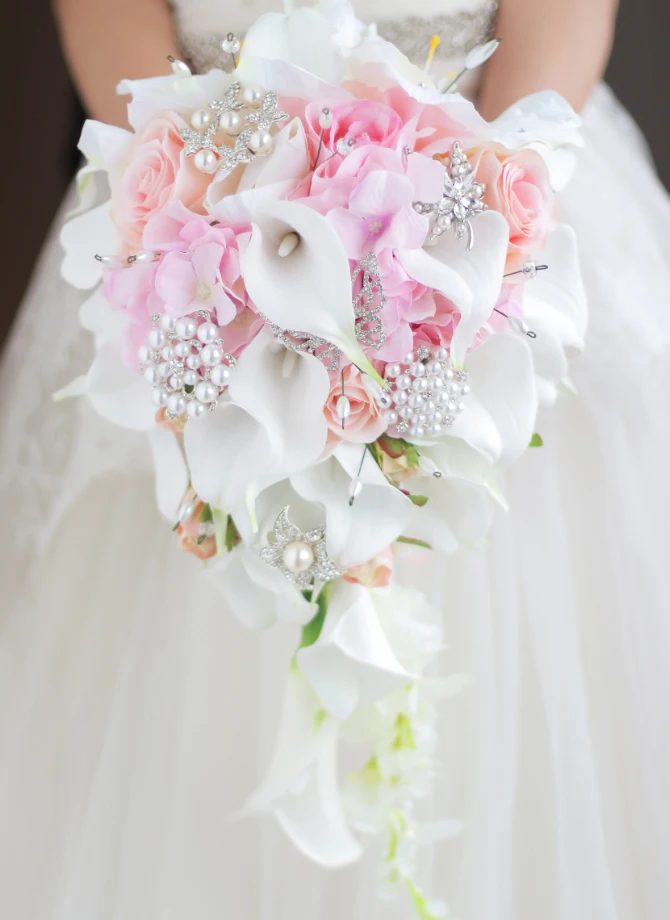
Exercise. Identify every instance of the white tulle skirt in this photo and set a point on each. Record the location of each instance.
(136, 714)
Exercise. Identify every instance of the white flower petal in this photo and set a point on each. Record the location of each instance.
(502, 381)
(481, 53)
(119, 393)
(310, 289)
(96, 315)
(172, 477)
(457, 511)
(172, 93)
(355, 533)
(82, 238)
(273, 427)
(351, 663)
(257, 594)
(301, 783)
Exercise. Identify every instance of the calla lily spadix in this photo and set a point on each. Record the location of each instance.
(310, 289)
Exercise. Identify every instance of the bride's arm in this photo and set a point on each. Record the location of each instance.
(106, 41)
(548, 44)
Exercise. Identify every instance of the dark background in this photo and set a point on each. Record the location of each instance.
(42, 119)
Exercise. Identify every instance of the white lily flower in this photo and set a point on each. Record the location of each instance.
(351, 663)
(556, 309)
(470, 279)
(310, 289)
(378, 516)
(96, 315)
(273, 426)
(301, 786)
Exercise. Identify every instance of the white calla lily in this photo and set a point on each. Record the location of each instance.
(172, 93)
(310, 289)
(351, 664)
(503, 399)
(301, 786)
(470, 279)
(172, 478)
(264, 180)
(458, 511)
(257, 594)
(378, 516)
(96, 315)
(273, 427)
(83, 237)
(303, 38)
(118, 392)
(105, 146)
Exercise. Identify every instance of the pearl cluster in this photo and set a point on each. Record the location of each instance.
(461, 199)
(426, 393)
(184, 362)
(245, 113)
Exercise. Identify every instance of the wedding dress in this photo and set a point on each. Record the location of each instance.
(136, 714)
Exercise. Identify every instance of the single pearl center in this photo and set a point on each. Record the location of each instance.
(298, 556)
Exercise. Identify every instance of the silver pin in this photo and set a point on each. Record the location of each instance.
(343, 406)
(356, 486)
(530, 269)
(325, 121)
(517, 324)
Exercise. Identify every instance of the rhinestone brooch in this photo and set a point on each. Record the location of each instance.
(302, 558)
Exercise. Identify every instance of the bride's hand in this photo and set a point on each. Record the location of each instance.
(106, 41)
(548, 44)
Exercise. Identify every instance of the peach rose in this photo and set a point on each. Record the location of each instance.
(195, 535)
(517, 185)
(375, 573)
(157, 173)
(365, 421)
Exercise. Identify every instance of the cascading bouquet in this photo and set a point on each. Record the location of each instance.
(315, 299)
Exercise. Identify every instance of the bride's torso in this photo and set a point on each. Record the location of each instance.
(461, 24)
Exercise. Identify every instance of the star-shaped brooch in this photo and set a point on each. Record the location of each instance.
(461, 200)
(300, 557)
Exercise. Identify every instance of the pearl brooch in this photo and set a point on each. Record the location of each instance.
(426, 393)
(238, 106)
(461, 200)
(300, 557)
(185, 363)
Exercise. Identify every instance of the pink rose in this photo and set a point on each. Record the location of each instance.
(369, 123)
(157, 173)
(365, 422)
(517, 185)
(375, 573)
(194, 536)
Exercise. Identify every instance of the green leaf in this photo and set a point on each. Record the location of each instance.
(232, 536)
(410, 541)
(312, 630)
(536, 441)
(419, 500)
(206, 514)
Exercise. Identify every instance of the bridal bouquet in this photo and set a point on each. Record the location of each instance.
(315, 290)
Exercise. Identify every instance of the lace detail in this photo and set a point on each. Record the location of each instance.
(459, 33)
